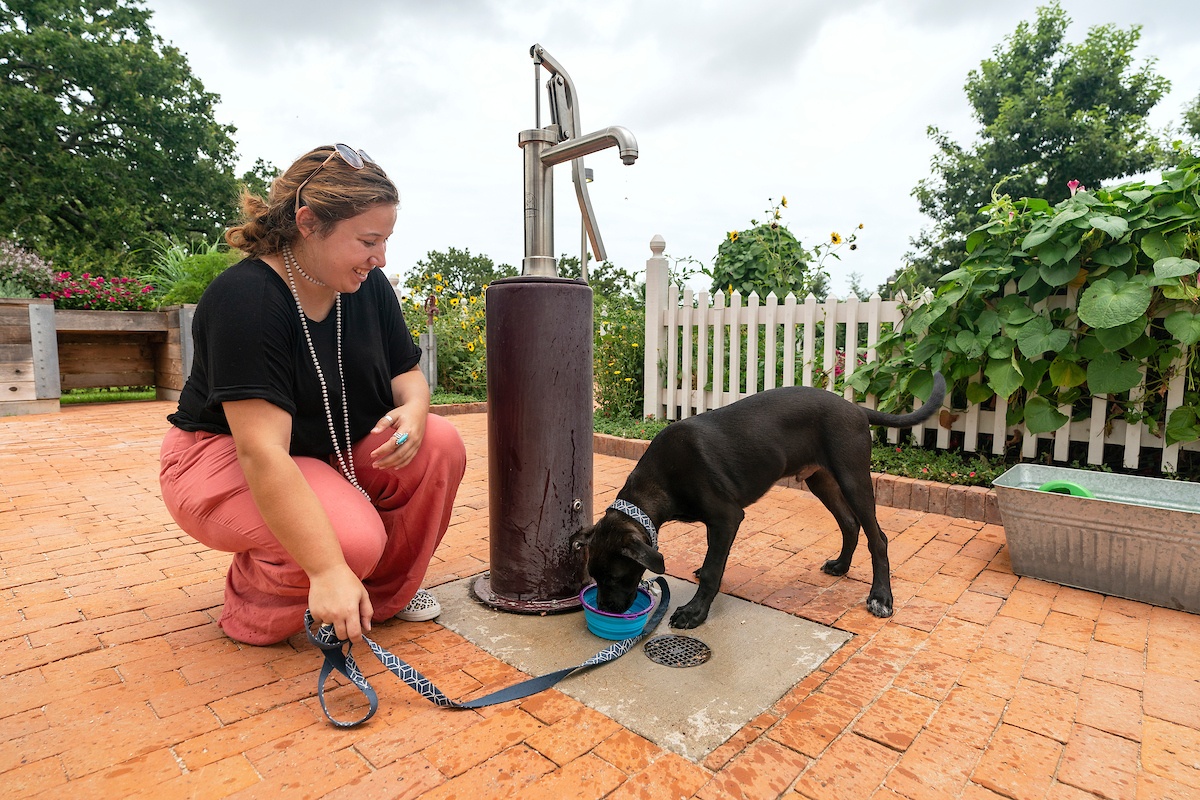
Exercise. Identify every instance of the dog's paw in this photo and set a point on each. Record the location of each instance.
(879, 606)
(688, 617)
(835, 567)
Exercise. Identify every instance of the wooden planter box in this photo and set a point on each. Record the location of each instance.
(44, 351)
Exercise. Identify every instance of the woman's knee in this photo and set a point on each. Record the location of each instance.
(444, 445)
(361, 535)
(355, 520)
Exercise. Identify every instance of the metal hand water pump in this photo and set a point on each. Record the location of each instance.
(539, 376)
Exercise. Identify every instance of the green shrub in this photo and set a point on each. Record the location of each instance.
(618, 352)
(1132, 253)
(11, 288)
(181, 274)
(768, 258)
(460, 328)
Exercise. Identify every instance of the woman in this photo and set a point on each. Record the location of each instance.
(303, 441)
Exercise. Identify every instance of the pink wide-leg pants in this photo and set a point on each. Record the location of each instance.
(387, 542)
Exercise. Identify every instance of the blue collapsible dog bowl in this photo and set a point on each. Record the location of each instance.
(616, 626)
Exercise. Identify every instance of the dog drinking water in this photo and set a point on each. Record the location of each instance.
(709, 467)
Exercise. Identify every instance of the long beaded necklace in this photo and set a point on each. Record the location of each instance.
(347, 462)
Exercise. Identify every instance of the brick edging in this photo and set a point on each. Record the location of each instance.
(450, 409)
(966, 502)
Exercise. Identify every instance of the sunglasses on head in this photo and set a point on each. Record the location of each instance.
(355, 159)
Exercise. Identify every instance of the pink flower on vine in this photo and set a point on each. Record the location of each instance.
(1075, 186)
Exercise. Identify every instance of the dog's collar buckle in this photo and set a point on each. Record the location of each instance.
(637, 515)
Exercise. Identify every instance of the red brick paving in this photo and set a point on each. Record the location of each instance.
(116, 681)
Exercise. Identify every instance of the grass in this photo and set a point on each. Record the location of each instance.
(441, 398)
(113, 394)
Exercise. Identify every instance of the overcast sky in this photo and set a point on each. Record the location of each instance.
(732, 105)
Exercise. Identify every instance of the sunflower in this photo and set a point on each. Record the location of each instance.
(733, 236)
(835, 238)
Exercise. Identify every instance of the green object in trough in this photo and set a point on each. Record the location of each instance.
(1065, 487)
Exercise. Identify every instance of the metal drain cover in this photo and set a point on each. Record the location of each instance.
(677, 651)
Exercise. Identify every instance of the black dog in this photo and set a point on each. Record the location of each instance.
(709, 467)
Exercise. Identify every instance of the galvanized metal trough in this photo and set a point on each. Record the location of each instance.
(1135, 537)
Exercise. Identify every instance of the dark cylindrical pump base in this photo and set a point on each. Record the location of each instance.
(539, 375)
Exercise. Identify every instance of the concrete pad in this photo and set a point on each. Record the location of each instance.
(758, 654)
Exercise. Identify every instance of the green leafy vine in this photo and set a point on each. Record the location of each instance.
(1054, 305)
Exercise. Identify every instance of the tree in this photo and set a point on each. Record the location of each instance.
(105, 135)
(1187, 144)
(454, 272)
(1191, 118)
(1049, 112)
(608, 281)
(257, 180)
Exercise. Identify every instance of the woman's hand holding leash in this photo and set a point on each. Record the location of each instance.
(337, 597)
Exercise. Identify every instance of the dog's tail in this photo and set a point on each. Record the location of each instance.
(920, 415)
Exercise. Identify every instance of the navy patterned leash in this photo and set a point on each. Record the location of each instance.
(339, 659)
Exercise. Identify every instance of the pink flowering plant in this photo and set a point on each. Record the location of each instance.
(97, 293)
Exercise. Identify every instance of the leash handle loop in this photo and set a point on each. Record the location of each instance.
(343, 662)
(326, 639)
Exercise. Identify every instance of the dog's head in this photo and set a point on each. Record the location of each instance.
(618, 554)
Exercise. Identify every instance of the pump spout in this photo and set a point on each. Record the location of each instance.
(612, 136)
(573, 150)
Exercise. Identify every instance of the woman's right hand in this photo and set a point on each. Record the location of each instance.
(336, 596)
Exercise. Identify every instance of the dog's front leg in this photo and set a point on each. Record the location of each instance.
(721, 533)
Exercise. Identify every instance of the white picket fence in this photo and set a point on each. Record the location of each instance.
(694, 362)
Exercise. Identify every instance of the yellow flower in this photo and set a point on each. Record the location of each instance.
(783, 201)
(453, 301)
(464, 326)
(835, 238)
(860, 226)
(471, 347)
(633, 344)
(733, 236)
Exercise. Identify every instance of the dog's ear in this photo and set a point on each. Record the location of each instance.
(645, 555)
(582, 538)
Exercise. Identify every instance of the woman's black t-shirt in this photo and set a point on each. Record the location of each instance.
(249, 345)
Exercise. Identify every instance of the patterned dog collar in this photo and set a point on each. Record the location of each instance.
(638, 516)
